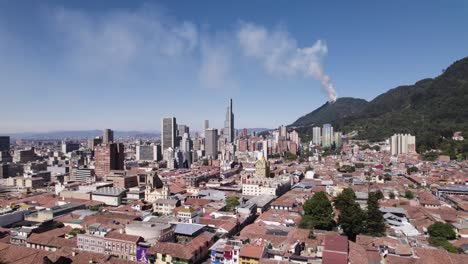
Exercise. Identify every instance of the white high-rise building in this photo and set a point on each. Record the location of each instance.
(327, 135)
(317, 136)
(337, 139)
(402, 144)
(294, 136)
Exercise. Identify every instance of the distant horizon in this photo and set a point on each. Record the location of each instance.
(156, 131)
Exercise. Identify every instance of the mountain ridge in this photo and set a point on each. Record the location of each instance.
(431, 108)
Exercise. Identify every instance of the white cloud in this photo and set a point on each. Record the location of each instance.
(280, 54)
(119, 38)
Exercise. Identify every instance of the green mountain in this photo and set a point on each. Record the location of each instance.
(431, 109)
(329, 112)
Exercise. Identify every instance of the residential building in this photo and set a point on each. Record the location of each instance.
(165, 206)
(251, 254)
(317, 136)
(98, 240)
(259, 186)
(402, 144)
(327, 135)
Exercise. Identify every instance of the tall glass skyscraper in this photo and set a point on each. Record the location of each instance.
(228, 131)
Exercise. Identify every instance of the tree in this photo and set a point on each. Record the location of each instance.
(442, 230)
(318, 212)
(409, 195)
(57, 224)
(351, 220)
(347, 169)
(411, 169)
(359, 165)
(392, 196)
(94, 208)
(75, 231)
(345, 198)
(231, 203)
(441, 242)
(375, 224)
(379, 195)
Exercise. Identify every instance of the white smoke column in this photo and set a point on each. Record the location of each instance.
(280, 55)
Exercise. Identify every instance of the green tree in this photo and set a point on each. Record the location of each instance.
(359, 165)
(347, 169)
(409, 195)
(442, 230)
(345, 198)
(442, 242)
(351, 220)
(379, 195)
(411, 170)
(94, 208)
(318, 212)
(375, 224)
(231, 203)
(75, 231)
(57, 224)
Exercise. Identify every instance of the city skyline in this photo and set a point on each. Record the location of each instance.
(61, 64)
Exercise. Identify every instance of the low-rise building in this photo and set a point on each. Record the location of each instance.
(109, 195)
(165, 206)
(114, 243)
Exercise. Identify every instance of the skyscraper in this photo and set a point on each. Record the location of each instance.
(168, 133)
(107, 136)
(316, 136)
(4, 143)
(206, 125)
(228, 131)
(211, 143)
(327, 135)
(109, 157)
(181, 129)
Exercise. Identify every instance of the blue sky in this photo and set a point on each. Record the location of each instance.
(125, 64)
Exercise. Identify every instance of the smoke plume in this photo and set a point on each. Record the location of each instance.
(280, 54)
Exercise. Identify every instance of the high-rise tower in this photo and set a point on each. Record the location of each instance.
(168, 133)
(107, 136)
(228, 131)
